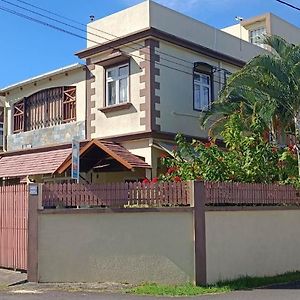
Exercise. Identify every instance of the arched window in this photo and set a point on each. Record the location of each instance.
(45, 108)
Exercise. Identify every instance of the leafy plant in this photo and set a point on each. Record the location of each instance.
(247, 157)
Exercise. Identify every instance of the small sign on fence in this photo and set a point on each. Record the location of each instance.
(75, 159)
(33, 190)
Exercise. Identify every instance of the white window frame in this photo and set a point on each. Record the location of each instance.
(255, 36)
(117, 80)
(202, 85)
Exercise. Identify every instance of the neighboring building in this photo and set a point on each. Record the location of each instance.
(46, 110)
(145, 81)
(252, 30)
(2, 129)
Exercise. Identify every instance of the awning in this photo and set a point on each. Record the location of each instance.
(167, 147)
(99, 155)
(104, 155)
(32, 162)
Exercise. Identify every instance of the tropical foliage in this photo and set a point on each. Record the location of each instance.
(257, 105)
(247, 158)
(268, 88)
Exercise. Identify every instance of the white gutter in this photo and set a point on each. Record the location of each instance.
(43, 76)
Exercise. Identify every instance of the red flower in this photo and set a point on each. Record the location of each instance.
(177, 179)
(208, 144)
(274, 149)
(171, 170)
(145, 181)
(163, 155)
(154, 180)
(292, 149)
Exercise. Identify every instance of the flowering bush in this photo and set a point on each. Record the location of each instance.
(247, 158)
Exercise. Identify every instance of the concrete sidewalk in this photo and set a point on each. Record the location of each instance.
(8, 277)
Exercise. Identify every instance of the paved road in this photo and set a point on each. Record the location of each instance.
(281, 292)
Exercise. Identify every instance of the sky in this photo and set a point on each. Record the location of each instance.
(28, 49)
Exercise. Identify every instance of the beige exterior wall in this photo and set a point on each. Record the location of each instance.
(52, 135)
(119, 24)
(117, 247)
(254, 243)
(284, 29)
(176, 91)
(238, 31)
(200, 33)
(123, 121)
(74, 78)
(150, 14)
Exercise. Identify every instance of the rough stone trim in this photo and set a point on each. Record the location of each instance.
(151, 85)
(90, 103)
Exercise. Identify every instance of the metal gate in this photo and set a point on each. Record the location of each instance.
(13, 226)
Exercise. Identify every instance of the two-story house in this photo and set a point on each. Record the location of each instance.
(150, 72)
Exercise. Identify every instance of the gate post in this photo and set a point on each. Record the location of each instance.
(198, 198)
(34, 204)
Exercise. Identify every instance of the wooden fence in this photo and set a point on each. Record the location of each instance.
(13, 226)
(116, 195)
(170, 194)
(225, 193)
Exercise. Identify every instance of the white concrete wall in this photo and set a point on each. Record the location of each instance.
(116, 247)
(254, 243)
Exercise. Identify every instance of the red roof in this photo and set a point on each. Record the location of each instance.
(33, 163)
(58, 159)
(116, 151)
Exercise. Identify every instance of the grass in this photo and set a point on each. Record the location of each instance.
(243, 283)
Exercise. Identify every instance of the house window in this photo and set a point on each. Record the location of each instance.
(19, 117)
(117, 85)
(202, 91)
(45, 108)
(256, 36)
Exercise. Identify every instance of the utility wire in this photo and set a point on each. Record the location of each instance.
(87, 39)
(99, 30)
(288, 4)
(82, 30)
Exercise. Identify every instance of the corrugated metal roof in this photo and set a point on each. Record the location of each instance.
(33, 163)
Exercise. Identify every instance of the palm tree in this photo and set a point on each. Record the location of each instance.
(268, 86)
